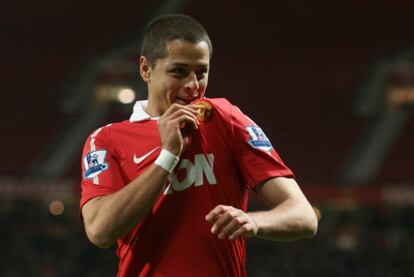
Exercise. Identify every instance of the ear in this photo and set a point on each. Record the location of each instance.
(144, 69)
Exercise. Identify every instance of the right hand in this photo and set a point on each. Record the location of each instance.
(170, 123)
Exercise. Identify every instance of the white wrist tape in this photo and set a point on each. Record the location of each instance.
(167, 160)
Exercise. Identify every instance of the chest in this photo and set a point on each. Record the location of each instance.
(207, 160)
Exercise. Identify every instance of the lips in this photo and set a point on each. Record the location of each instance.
(184, 101)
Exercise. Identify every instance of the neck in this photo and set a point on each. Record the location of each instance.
(154, 109)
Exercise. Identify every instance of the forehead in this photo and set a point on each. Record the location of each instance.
(184, 52)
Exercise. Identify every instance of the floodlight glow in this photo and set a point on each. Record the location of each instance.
(56, 207)
(126, 96)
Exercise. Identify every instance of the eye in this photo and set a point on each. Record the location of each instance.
(179, 71)
(201, 73)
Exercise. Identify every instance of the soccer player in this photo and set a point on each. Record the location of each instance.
(170, 185)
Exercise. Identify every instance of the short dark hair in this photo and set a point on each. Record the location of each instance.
(163, 29)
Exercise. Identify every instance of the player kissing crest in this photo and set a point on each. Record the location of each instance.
(94, 163)
(258, 138)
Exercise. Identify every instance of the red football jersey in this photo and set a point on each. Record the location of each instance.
(228, 155)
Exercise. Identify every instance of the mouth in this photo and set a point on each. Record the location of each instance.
(184, 101)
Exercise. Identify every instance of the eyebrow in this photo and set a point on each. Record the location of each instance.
(206, 65)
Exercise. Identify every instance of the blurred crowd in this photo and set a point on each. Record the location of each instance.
(356, 241)
(351, 241)
(35, 242)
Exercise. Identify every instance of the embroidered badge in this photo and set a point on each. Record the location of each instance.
(204, 110)
(258, 138)
(94, 163)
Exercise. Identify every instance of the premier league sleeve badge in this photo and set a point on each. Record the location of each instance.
(258, 138)
(95, 163)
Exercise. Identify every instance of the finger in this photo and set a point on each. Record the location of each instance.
(223, 221)
(212, 216)
(185, 119)
(242, 230)
(181, 112)
(231, 227)
(245, 230)
(172, 109)
(176, 107)
(183, 125)
(174, 113)
(192, 108)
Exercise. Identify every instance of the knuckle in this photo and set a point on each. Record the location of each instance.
(225, 230)
(236, 234)
(244, 228)
(228, 214)
(239, 220)
(232, 214)
(216, 209)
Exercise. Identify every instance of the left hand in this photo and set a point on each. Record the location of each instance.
(231, 223)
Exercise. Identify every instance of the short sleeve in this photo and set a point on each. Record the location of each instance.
(100, 168)
(257, 160)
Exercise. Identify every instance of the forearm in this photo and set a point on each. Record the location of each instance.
(115, 214)
(289, 220)
(109, 217)
(290, 216)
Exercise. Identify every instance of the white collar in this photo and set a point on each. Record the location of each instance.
(139, 113)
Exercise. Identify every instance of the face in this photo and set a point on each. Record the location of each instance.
(181, 77)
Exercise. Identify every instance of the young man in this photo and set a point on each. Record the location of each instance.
(171, 184)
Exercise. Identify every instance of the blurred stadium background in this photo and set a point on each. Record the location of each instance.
(331, 83)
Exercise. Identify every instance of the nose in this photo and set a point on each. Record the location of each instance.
(192, 85)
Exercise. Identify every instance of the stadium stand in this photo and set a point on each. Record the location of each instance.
(308, 63)
(297, 69)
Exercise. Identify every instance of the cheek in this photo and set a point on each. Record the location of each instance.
(172, 88)
(203, 87)
(172, 84)
(167, 87)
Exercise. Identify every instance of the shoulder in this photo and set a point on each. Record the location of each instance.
(222, 106)
(104, 133)
(229, 111)
(221, 103)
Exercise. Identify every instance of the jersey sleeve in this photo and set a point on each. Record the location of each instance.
(257, 160)
(100, 170)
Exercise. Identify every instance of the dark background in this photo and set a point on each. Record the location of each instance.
(295, 67)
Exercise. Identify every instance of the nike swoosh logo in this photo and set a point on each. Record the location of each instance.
(138, 160)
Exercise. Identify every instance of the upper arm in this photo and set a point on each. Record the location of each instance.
(89, 210)
(101, 172)
(279, 189)
(254, 154)
(288, 205)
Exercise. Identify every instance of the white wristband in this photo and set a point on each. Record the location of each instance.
(167, 160)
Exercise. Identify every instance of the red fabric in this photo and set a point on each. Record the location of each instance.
(219, 167)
